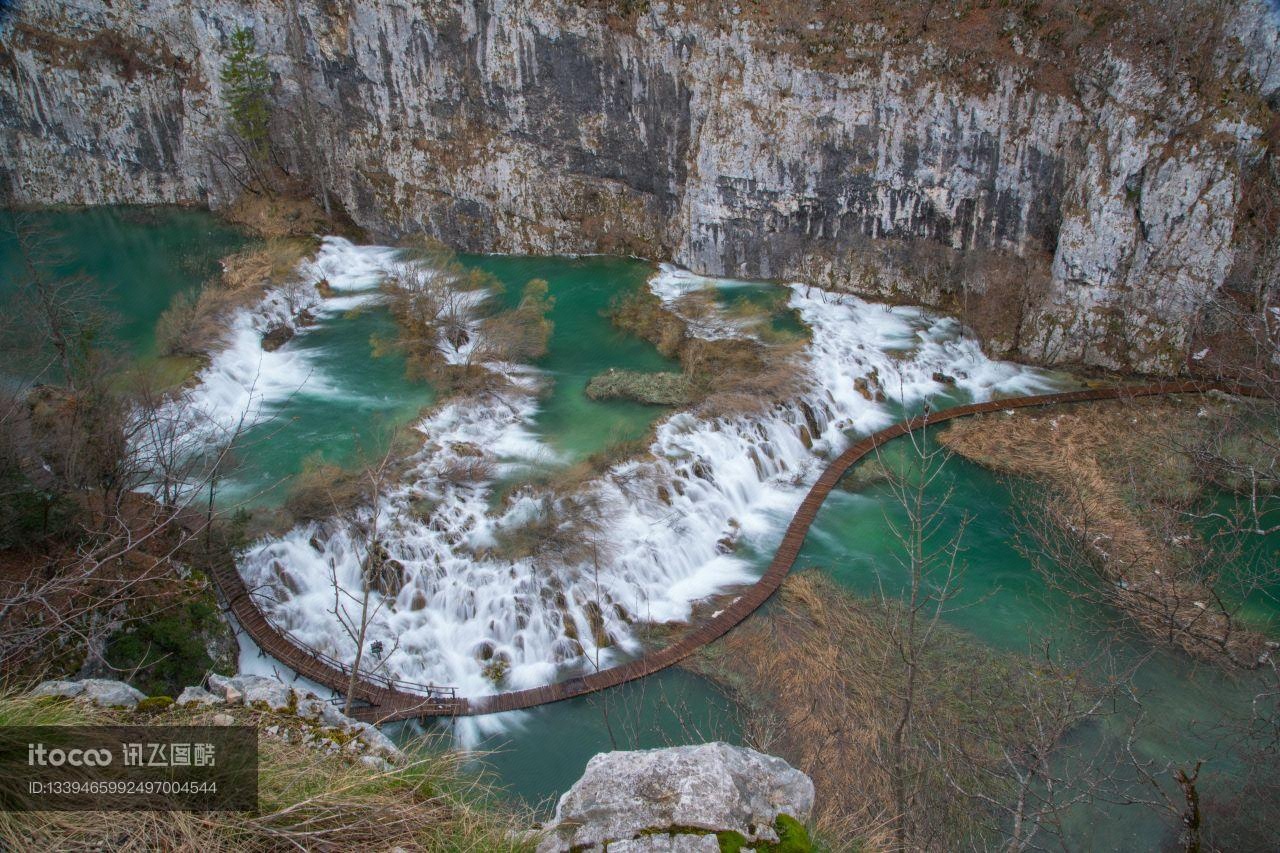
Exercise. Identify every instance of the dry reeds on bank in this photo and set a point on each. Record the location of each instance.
(817, 673)
(1117, 519)
(308, 800)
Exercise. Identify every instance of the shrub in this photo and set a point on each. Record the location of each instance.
(521, 334)
(659, 389)
(167, 652)
(176, 328)
(642, 314)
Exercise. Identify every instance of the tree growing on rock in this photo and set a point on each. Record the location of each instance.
(246, 81)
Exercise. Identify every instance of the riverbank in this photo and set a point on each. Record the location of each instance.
(1132, 485)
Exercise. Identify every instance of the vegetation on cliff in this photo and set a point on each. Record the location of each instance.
(309, 799)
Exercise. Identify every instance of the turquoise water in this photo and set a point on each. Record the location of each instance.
(583, 343)
(142, 257)
(347, 428)
(135, 258)
(373, 397)
(541, 752)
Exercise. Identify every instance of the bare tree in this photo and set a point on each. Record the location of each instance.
(124, 462)
(929, 554)
(357, 610)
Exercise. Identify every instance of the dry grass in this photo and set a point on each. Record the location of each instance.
(1118, 478)
(307, 800)
(816, 673)
(642, 314)
(195, 322)
(321, 490)
(273, 216)
(727, 376)
(270, 264)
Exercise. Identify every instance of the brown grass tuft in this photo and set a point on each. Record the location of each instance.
(308, 800)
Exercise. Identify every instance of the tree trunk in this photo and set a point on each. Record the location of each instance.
(1191, 814)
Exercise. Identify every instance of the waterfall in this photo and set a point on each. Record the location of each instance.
(453, 606)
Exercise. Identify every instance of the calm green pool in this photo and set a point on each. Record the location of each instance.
(142, 257)
(136, 258)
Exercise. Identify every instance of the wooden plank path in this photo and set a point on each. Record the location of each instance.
(384, 699)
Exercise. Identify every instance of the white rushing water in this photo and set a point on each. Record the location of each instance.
(244, 384)
(453, 607)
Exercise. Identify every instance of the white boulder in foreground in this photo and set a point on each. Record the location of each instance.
(99, 691)
(677, 799)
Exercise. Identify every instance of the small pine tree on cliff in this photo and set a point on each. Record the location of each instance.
(246, 92)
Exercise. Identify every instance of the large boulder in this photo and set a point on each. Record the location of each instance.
(678, 799)
(257, 690)
(99, 691)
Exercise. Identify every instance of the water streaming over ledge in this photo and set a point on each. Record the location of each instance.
(673, 516)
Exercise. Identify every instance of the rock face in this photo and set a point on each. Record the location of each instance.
(677, 799)
(533, 126)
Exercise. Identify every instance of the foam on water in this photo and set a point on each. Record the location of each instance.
(452, 606)
(245, 384)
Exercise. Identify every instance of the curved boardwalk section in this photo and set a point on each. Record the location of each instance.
(383, 700)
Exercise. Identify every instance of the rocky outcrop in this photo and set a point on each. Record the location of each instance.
(681, 798)
(298, 714)
(271, 694)
(103, 692)
(531, 126)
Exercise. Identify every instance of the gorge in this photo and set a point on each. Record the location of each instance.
(502, 346)
(733, 141)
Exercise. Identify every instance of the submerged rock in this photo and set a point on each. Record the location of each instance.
(678, 799)
(277, 336)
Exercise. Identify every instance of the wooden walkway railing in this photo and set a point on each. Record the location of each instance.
(392, 700)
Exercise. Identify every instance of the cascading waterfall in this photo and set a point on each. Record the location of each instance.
(452, 609)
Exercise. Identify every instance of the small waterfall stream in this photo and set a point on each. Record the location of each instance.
(671, 517)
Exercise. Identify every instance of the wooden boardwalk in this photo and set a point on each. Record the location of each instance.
(384, 700)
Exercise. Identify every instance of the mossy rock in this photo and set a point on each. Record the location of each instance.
(792, 837)
(171, 651)
(870, 472)
(154, 704)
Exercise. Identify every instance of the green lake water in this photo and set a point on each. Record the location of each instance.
(350, 419)
(357, 400)
(135, 258)
(583, 343)
(142, 257)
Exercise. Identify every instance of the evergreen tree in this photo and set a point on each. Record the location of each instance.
(246, 91)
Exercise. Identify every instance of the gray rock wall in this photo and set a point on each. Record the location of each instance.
(528, 126)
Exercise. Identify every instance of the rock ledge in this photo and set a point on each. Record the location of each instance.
(679, 799)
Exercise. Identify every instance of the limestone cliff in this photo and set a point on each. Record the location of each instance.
(721, 138)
